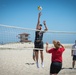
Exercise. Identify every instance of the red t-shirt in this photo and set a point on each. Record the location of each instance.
(56, 54)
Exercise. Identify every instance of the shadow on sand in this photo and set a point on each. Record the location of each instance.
(68, 68)
(29, 63)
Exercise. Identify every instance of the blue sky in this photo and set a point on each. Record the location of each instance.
(59, 14)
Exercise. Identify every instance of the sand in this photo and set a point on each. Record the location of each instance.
(16, 59)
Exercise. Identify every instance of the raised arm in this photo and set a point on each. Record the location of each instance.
(44, 22)
(58, 42)
(38, 23)
(46, 47)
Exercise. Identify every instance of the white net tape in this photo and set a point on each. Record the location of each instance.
(12, 36)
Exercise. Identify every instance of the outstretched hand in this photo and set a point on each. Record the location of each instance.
(40, 14)
(58, 42)
(44, 22)
(46, 43)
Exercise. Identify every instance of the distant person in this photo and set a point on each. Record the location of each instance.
(38, 43)
(73, 53)
(56, 60)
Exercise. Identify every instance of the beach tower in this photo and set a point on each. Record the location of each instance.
(24, 37)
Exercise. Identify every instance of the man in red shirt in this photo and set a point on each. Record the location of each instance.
(56, 63)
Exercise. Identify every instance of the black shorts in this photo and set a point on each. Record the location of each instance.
(74, 57)
(55, 67)
(38, 45)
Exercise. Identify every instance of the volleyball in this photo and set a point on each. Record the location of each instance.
(39, 8)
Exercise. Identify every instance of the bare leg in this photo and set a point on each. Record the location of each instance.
(42, 63)
(73, 63)
(41, 54)
(34, 55)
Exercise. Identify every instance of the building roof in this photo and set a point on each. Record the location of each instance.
(24, 34)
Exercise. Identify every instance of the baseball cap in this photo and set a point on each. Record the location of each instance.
(40, 24)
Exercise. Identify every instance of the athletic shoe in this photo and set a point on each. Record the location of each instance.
(37, 64)
(42, 64)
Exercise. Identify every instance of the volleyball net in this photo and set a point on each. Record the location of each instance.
(24, 37)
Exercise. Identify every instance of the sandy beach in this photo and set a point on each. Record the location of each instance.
(16, 59)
